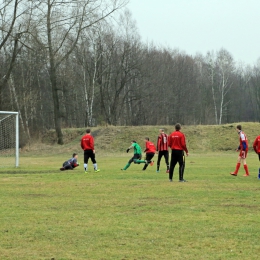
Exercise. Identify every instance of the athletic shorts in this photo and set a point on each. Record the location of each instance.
(135, 157)
(89, 154)
(240, 153)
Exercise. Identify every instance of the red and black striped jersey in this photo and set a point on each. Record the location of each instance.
(162, 142)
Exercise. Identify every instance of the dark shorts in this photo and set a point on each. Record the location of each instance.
(149, 156)
(89, 154)
(135, 157)
(164, 153)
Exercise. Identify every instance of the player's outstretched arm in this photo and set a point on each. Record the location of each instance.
(128, 149)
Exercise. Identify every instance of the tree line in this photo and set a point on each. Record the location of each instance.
(82, 63)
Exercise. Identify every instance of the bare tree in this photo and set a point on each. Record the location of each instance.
(62, 24)
(10, 34)
(88, 56)
(8, 19)
(220, 69)
(225, 65)
(254, 87)
(14, 26)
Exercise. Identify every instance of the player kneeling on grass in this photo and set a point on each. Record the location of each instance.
(71, 163)
(150, 151)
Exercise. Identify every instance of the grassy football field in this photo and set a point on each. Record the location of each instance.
(135, 214)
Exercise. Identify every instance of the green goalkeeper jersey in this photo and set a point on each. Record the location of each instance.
(137, 148)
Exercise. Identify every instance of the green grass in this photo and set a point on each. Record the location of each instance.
(48, 214)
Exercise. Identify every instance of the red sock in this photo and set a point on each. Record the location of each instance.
(237, 168)
(246, 169)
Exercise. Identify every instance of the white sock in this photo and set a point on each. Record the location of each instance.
(95, 166)
(85, 166)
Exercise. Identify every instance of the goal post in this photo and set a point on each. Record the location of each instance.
(9, 138)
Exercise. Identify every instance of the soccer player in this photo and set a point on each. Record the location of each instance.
(137, 154)
(71, 163)
(243, 149)
(162, 148)
(177, 142)
(87, 144)
(256, 146)
(150, 151)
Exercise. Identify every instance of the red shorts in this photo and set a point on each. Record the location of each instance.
(240, 153)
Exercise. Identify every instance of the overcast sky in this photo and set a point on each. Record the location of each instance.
(201, 25)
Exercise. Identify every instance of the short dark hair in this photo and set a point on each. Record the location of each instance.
(239, 127)
(133, 141)
(147, 138)
(88, 131)
(177, 126)
(74, 154)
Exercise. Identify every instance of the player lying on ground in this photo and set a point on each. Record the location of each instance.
(71, 163)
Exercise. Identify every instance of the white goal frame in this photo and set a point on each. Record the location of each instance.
(16, 134)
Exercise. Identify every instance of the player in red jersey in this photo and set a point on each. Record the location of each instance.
(150, 152)
(177, 142)
(243, 149)
(162, 149)
(87, 144)
(256, 146)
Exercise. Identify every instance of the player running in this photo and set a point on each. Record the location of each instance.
(137, 154)
(150, 152)
(243, 149)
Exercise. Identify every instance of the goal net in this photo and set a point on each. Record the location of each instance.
(9, 139)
